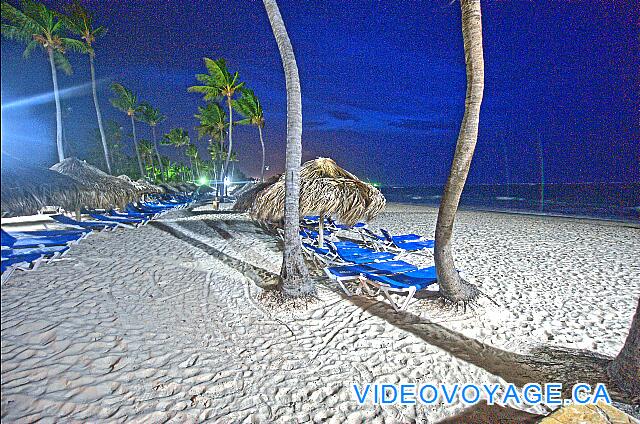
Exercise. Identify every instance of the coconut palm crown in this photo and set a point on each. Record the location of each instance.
(38, 26)
(126, 101)
(177, 137)
(219, 83)
(80, 23)
(248, 105)
(213, 122)
(152, 117)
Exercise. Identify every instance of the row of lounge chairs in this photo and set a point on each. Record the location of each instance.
(27, 250)
(371, 262)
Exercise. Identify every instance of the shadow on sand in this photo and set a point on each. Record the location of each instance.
(543, 365)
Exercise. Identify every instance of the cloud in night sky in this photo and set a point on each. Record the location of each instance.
(343, 116)
(423, 125)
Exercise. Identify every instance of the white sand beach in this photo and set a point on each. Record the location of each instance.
(150, 325)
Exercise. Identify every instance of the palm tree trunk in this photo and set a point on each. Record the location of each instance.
(625, 369)
(135, 145)
(294, 275)
(155, 147)
(99, 115)
(56, 95)
(452, 287)
(262, 145)
(193, 176)
(226, 162)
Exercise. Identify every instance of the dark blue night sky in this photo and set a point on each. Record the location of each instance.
(382, 83)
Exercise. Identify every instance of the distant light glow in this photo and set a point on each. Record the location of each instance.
(227, 181)
(38, 99)
(203, 180)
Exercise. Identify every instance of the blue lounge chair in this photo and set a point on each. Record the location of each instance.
(408, 283)
(312, 236)
(135, 215)
(28, 259)
(401, 238)
(133, 210)
(83, 232)
(405, 242)
(127, 221)
(333, 224)
(93, 225)
(359, 255)
(51, 252)
(146, 209)
(344, 273)
(17, 242)
(24, 262)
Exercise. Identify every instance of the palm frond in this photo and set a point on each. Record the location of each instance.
(245, 121)
(20, 20)
(29, 49)
(75, 45)
(14, 33)
(125, 100)
(62, 62)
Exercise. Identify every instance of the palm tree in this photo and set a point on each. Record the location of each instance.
(213, 124)
(249, 106)
(625, 368)
(80, 22)
(452, 287)
(295, 279)
(217, 154)
(152, 117)
(127, 102)
(37, 26)
(192, 153)
(146, 151)
(219, 83)
(177, 138)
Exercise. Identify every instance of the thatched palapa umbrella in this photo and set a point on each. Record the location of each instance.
(250, 191)
(26, 189)
(142, 186)
(325, 189)
(110, 191)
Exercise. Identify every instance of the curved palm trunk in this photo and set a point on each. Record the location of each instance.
(625, 369)
(226, 162)
(135, 144)
(452, 287)
(99, 115)
(295, 279)
(155, 147)
(262, 145)
(56, 95)
(193, 176)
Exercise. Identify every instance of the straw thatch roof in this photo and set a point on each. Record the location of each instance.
(26, 189)
(249, 192)
(109, 191)
(325, 189)
(142, 185)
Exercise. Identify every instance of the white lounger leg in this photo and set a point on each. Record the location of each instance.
(410, 292)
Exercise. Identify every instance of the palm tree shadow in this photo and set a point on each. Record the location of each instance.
(542, 365)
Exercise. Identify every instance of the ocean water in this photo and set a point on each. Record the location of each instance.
(616, 201)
